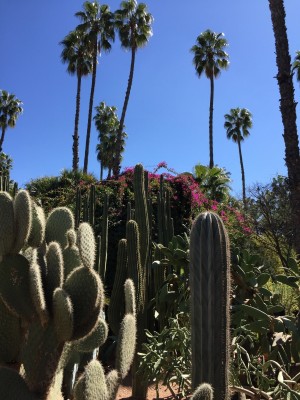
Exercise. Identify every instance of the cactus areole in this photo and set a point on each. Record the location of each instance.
(210, 301)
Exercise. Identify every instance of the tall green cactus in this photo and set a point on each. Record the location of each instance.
(104, 238)
(210, 303)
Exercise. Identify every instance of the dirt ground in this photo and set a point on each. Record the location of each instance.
(125, 392)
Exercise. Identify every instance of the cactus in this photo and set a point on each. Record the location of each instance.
(210, 302)
(93, 384)
(59, 221)
(71, 254)
(86, 244)
(203, 392)
(38, 226)
(115, 312)
(41, 306)
(104, 239)
(141, 212)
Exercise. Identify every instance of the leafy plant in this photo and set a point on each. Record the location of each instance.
(264, 336)
(166, 357)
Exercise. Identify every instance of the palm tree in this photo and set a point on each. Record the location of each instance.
(133, 22)
(214, 182)
(10, 109)
(288, 111)
(296, 65)
(237, 125)
(98, 24)
(210, 58)
(76, 53)
(107, 124)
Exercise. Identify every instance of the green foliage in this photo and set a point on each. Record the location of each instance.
(214, 182)
(270, 213)
(10, 110)
(172, 295)
(107, 124)
(264, 335)
(166, 356)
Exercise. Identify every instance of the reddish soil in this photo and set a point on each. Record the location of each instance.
(125, 392)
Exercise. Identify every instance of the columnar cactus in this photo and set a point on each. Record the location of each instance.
(210, 302)
(115, 311)
(104, 239)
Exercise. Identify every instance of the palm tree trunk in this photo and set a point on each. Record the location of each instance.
(116, 169)
(2, 138)
(243, 172)
(211, 112)
(76, 136)
(88, 132)
(288, 112)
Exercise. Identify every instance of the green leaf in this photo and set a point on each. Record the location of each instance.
(287, 280)
(265, 292)
(262, 279)
(293, 265)
(255, 312)
(275, 309)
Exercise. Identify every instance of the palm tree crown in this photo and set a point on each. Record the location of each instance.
(209, 54)
(97, 21)
(10, 109)
(133, 22)
(237, 125)
(107, 124)
(77, 53)
(214, 182)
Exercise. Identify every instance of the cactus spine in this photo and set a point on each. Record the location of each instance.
(210, 302)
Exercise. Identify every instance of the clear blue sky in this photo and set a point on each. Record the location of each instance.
(167, 117)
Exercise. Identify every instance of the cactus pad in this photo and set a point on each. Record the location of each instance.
(59, 221)
(86, 244)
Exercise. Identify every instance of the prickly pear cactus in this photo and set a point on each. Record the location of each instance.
(51, 300)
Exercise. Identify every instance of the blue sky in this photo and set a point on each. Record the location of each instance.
(167, 116)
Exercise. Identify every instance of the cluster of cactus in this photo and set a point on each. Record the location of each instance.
(210, 304)
(51, 300)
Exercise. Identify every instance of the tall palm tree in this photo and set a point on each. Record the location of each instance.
(77, 54)
(296, 65)
(133, 22)
(10, 109)
(237, 125)
(288, 111)
(107, 124)
(98, 23)
(210, 58)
